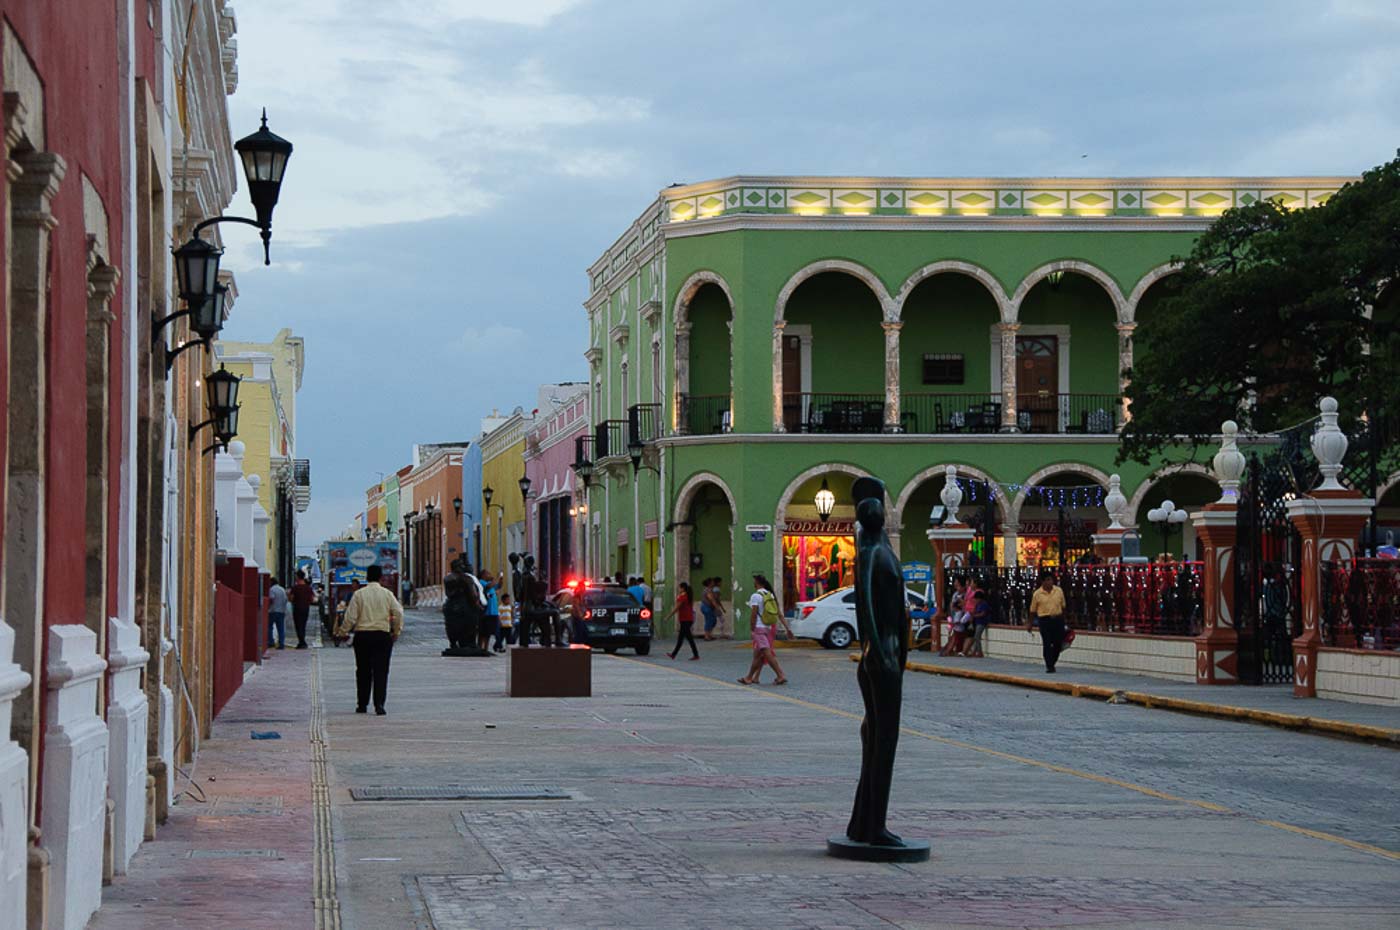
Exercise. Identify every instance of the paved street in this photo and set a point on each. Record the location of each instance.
(696, 802)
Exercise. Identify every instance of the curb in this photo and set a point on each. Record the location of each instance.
(1361, 731)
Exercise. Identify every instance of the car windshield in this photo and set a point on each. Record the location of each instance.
(609, 598)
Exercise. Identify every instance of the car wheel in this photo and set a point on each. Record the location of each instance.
(644, 649)
(610, 650)
(838, 636)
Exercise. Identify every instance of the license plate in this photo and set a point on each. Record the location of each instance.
(621, 616)
(619, 631)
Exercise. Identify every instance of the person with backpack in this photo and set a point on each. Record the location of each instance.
(764, 617)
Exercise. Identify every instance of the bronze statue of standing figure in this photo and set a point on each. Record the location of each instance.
(883, 619)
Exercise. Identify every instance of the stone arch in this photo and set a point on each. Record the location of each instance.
(1167, 471)
(1057, 468)
(1094, 272)
(694, 483)
(1144, 283)
(888, 308)
(953, 266)
(779, 515)
(692, 285)
(937, 471)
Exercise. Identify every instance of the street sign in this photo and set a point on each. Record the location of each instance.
(758, 532)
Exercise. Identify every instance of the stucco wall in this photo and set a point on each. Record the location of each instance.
(1158, 656)
(1367, 676)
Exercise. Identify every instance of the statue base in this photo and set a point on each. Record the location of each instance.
(842, 847)
(550, 671)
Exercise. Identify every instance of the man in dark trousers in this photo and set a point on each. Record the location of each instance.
(1048, 612)
(301, 597)
(376, 619)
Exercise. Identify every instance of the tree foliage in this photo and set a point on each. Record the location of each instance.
(1274, 309)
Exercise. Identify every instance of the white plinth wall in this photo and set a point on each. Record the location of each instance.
(74, 805)
(127, 721)
(14, 791)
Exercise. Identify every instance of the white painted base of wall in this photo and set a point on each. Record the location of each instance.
(14, 792)
(127, 715)
(74, 816)
(431, 596)
(167, 742)
(1158, 656)
(1364, 676)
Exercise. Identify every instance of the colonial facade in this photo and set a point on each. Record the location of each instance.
(432, 522)
(550, 449)
(763, 339)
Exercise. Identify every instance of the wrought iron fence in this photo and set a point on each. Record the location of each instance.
(1361, 604)
(643, 423)
(1068, 413)
(834, 413)
(610, 438)
(950, 413)
(705, 414)
(1159, 599)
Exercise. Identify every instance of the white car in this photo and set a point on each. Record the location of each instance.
(831, 618)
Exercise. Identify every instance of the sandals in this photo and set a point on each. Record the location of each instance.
(780, 681)
(743, 681)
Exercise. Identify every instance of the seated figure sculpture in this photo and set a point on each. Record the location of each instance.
(461, 613)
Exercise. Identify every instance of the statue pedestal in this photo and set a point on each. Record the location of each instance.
(842, 847)
(550, 671)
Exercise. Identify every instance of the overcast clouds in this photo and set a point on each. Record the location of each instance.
(459, 163)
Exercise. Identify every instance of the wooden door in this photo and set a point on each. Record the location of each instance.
(1037, 383)
(792, 383)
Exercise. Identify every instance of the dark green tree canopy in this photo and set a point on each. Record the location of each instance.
(1274, 309)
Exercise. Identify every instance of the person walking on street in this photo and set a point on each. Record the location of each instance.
(1048, 611)
(712, 594)
(301, 597)
(376, 618)
(684, 612)
(707, 610)
(764, 618)
(277, 614)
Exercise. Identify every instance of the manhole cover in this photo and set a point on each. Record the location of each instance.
(232, 854)
(458, 793)
(646, 705)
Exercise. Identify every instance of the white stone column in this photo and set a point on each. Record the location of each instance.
(682, 380)
(243, 522)
(74, 817)
(892, 398)
(1010, 533)
(126, 719)
(227, 471)
(778, 329)
(14, 790)
(1008, 375)
(1125, 364)
(261, 522)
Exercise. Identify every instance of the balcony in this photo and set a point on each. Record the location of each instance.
(610, 440)
(704, 414)
(1091, 414)
(643, 423)
(834, 413)
(950, 413)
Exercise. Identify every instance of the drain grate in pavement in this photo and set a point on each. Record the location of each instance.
(233, 854)
(646, 705)
(233, 805)
(459, 793)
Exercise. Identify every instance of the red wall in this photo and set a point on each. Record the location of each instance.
(228, 644)
(76, 57)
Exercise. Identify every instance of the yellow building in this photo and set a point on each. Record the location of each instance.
(502, 465)
(271, 373)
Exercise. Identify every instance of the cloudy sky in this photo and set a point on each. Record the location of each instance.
(459, 163)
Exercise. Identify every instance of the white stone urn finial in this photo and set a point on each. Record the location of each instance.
(1228, 463)
(951, 495)
(1115, 503)
(1329, 444)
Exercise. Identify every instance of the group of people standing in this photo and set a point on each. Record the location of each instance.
(300, 599)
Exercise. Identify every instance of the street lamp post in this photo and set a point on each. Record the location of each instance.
(222, 386)
(1167, 515)
(486, 494)
(825, 502)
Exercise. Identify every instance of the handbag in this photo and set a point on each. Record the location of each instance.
(1069, 637)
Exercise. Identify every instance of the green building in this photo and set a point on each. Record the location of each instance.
(757, 338)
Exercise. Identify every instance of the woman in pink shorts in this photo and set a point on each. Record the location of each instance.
(764, 616)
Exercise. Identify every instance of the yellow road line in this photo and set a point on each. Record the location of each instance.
(1040, 764)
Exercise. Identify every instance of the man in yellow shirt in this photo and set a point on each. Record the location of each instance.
(1048, 611)
(376, 619)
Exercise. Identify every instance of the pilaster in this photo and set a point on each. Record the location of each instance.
(778, 386)
(14, 791)
(1008, 375)
(127, 714)
(1330, 523)
(1217, 648)
(892, 398)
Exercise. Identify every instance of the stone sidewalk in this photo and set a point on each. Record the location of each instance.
(237, 849)
(1266, 704)
(692, 803)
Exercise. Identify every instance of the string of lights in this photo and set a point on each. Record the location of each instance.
(1069, 497)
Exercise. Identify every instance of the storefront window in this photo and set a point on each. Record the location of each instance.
(817, 558)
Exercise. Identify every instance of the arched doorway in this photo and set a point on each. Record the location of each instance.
(1057, 512)
(1058, 391)
(983, 510)
(704, 362)
(1188, 490)
(815, 556)
(704, 537)
(945, 367)
(833, 357)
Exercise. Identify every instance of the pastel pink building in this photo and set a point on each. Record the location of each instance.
(549, 458)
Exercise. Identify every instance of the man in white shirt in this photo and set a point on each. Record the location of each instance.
(376, 619)
(277, 614)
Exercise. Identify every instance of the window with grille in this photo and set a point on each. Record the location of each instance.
(943, 368)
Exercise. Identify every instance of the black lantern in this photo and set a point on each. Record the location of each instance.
(524, 483)
(584, 469)
(264, 155)
(825, 502)
(222, 402)
(197, 271)
(457, 506)
(207, 317)
(486, 494)
(635, 448)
